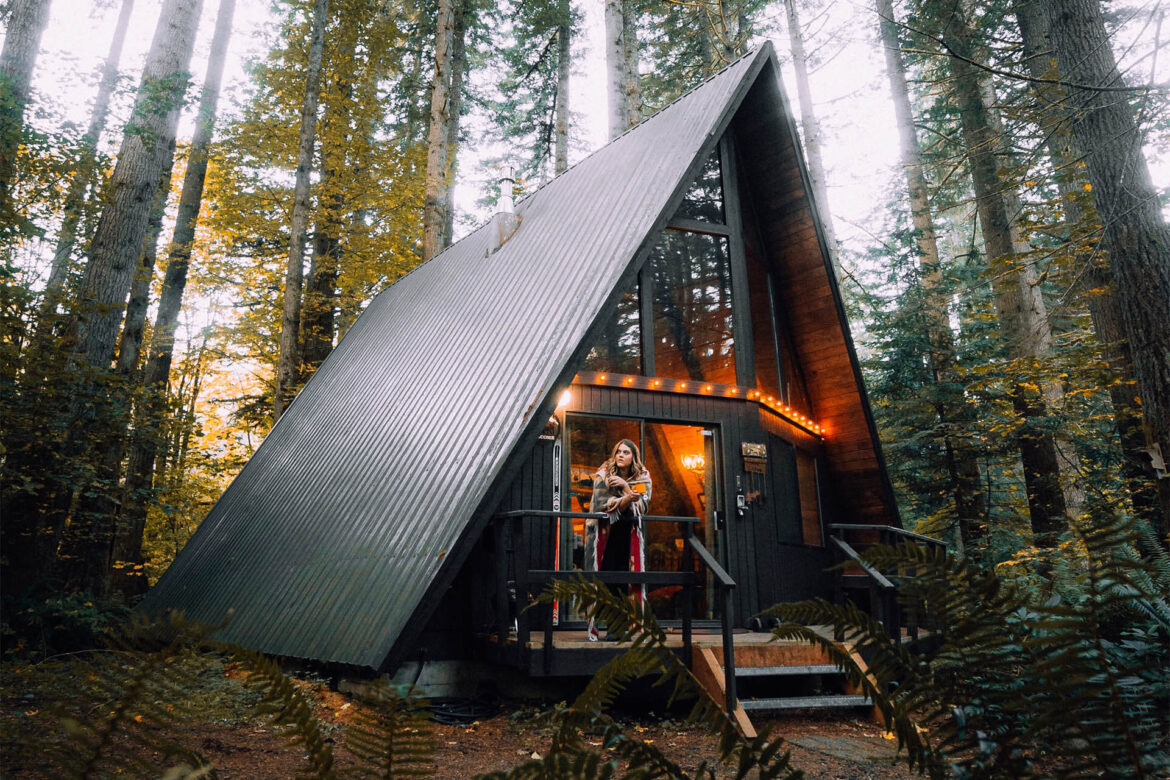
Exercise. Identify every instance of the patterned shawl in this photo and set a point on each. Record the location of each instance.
(596, 534)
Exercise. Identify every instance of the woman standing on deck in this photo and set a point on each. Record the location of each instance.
(621, 489)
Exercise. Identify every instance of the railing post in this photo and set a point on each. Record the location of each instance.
(502, 601)
(728, 654)
(547, 613)
(687, 563)
(520, 557)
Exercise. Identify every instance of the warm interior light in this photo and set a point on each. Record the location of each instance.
(565, 399)
(734, 390)
(693, 462)
(629, 380)
(706, 388)
(682, 385)
(601, 378)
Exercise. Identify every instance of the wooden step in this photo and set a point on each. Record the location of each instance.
(782, 671)
(804, 702)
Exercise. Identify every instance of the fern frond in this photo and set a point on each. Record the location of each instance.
(285, 707)
(649, 655)
(394, 739)
(134, 699)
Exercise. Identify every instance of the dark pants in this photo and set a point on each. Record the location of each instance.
(616, 556)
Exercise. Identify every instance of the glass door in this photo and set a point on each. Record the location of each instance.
(684, 464)
(683, 461)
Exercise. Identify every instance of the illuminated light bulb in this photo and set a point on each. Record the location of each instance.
(601, 378)
(734, 390)
(629, 380)
(656, 383)
(769, 399)
(565, 399)
(707, 388)
(682, 385)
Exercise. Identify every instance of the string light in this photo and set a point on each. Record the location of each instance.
(772, 403)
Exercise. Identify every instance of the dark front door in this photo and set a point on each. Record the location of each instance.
(776, 520)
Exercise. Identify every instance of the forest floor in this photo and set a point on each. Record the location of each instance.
(500, 735)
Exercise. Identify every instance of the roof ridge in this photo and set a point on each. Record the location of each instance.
(751, 54)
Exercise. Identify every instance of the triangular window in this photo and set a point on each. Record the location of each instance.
(703, 202)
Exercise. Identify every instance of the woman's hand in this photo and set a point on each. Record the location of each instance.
(612, 504)
(616, 482)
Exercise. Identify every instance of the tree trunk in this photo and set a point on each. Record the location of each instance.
(438, 140)
(615, 67)
(146, 151)
(1136, 235)
(455, 102)
(150, 413)
(564, 63)
(134, 326)
(83, 177)
(962, 467)
(22, 41)
(318, 323)
(1018, 302)
(812, 132)
(633, 84)
(289, 362)
(1094, 282)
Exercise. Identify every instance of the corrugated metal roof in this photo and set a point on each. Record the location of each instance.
(329, 538)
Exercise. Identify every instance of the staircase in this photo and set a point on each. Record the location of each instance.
(776, 677)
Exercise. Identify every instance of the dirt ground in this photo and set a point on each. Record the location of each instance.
(836, 746)
(497, 737)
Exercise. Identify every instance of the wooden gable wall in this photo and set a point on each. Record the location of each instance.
(814, 318)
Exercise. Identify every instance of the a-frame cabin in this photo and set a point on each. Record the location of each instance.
(673, 288)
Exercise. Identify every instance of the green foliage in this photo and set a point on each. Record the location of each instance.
(1071, 686)
(394, 739)
(37, 624)
(123, 704)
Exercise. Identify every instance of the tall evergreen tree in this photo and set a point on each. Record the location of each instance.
(149, 414)
(289, 362)
(1136, 235)
(83, 177)
(58, 465)
(439, 141)
(531, 110)
(1018, 297)
(962, 469)
(25, 23)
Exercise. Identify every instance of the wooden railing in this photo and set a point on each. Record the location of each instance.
(882, 587)
(527, 582)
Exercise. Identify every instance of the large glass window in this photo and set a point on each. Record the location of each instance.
(619, 348)
(768, 372)
(693, 337)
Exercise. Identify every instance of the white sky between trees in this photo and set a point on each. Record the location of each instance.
(850, 92)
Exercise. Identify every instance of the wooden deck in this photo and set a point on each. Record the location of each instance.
(574, 655)
(700, 638)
